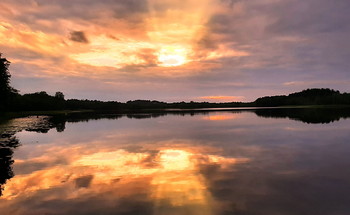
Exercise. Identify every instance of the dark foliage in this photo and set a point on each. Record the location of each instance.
(7, 93)
(38, 101)
(76, 104)
(306, 97)
(43, 101)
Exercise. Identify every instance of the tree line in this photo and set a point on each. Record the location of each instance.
(12, 100)
(323, 96)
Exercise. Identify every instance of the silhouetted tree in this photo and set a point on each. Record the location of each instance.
(322, 96)
(59, 95)
(6, 91)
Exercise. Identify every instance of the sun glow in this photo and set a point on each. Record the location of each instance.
(172, 159)
(179, 183)
(172, 56)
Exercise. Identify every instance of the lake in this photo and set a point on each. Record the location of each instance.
(249, 162)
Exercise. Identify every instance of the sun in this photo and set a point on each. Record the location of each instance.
(170, 56)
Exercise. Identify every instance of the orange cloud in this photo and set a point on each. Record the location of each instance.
(27, 39)
(169, 31)
(223, 98)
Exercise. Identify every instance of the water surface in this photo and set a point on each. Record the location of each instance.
(248, 162)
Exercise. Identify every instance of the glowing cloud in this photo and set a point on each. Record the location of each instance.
(223, 98)
(173, 31)
(172, 56)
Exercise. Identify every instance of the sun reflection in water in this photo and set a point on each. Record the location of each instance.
(179, 184)
(170, 179)
(172, 159)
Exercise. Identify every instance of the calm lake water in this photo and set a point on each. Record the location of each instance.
(205, 163)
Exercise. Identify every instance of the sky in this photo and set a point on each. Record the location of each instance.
(176, 50)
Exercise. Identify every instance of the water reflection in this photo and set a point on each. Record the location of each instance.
(308, 115)
(179, 183)
(206, 163)
(8, 141)
(216, 117)
(169, 179)
(7, 144)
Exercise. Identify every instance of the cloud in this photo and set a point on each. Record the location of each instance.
(316, 83)
(261, 43)
(308, 17)
(83, 181)
(222, 98)
(78, 36)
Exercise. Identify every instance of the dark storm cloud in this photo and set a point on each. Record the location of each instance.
(83, 181)
(78, 36)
